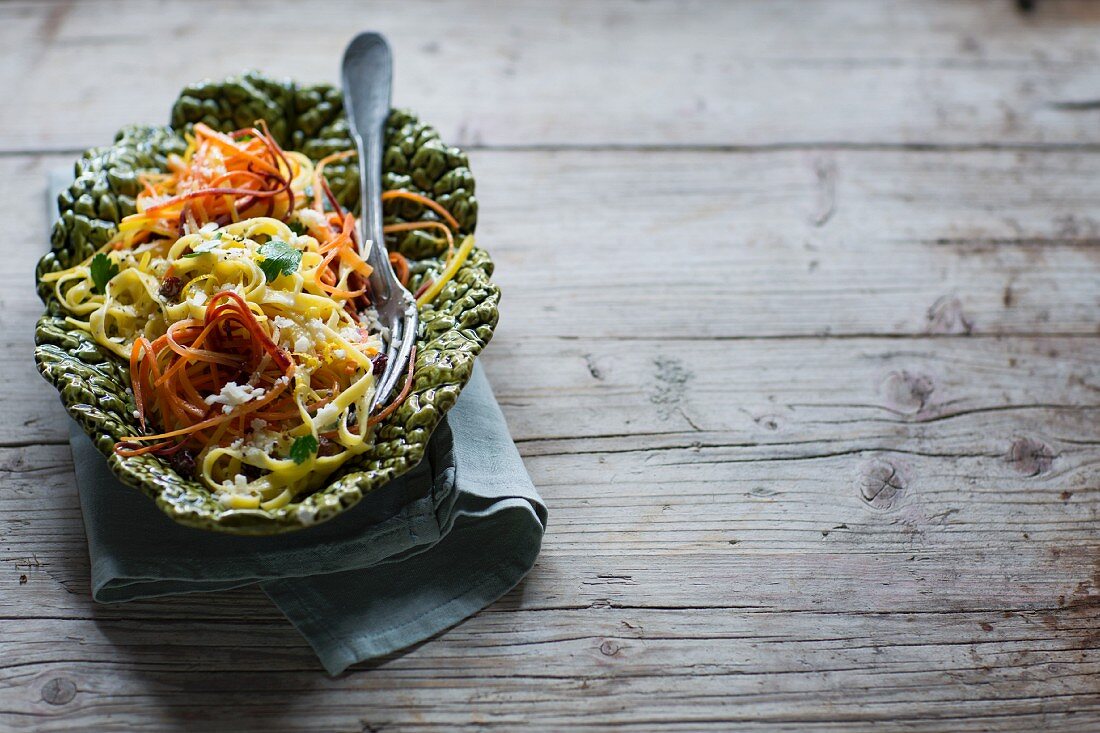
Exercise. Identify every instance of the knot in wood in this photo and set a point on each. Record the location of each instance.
(1030, 457)
(881, 484)
(946, 315)
(907, 390)
(58, 691)
(609, 648)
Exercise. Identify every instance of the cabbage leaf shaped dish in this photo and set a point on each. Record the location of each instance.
(457, 317)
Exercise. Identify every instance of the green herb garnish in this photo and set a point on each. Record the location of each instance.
(297, 227)
(279, 258)
(303, 448)
(103, 269)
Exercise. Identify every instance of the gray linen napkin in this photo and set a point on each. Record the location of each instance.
(416, 557)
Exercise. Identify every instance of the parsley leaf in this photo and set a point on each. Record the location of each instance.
(303, 448)
(203, 247)
(103, 269)
(279, 258)
(297, 227)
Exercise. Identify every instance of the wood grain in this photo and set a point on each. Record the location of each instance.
(859, 492)
(727, 667)
(744, 586)
(781, 72)
(917, 244)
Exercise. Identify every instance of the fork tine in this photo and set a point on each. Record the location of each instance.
(398, 352)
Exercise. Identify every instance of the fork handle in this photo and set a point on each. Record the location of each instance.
(368, 65)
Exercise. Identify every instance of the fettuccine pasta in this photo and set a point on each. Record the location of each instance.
(239, 296)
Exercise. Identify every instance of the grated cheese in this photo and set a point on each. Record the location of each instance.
(233, 395)
(280, 297)
(327, 415)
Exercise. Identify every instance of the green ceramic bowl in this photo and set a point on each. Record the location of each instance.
(94, 384)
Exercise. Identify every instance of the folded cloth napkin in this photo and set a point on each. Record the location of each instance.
(420, 554)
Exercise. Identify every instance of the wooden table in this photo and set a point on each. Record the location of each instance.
(800, 342)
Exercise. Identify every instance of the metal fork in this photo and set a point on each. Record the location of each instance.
(367, 78)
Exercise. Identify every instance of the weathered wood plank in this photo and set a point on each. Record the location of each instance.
(576, 73)
(780, 392)
(590, 669)
(684, 245)
(973, 512)
(938, 243)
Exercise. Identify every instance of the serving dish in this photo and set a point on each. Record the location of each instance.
(94, 386)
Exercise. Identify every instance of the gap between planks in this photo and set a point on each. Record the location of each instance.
(746, 149)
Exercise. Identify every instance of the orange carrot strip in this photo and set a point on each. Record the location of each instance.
(390, 408)
(424, 201)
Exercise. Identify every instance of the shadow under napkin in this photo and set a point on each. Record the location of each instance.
(419, 555)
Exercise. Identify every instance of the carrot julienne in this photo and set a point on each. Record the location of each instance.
(223, 178)
(401, 397)
(182, 366)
